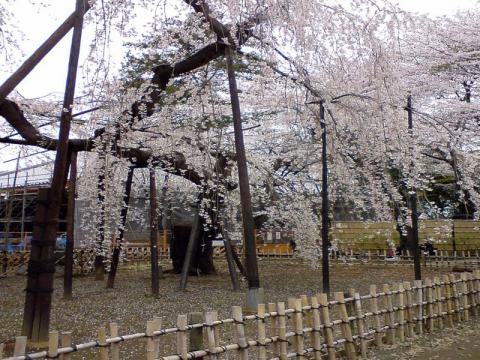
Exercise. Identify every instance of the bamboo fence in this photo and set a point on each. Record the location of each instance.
(12, 263)
(304, 328)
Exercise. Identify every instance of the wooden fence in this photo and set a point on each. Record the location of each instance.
(306, 327)
(445, 234)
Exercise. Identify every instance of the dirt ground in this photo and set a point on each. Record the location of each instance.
(461, 343)
(130, 305)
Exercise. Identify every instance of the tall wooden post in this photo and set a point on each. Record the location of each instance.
(413, 205)
(325, 205)
(121, 229)
(36, 320)
(68, 269)
(245, 197)
(154, 235)
(191, 247)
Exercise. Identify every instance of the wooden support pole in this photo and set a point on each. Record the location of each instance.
(240, 332)
(346, 329)
(155, 269)
(38, 300)
(245, 197)
(121, 229)
(231, 262)
(262, 350)
(325, 205)
(29, 64)
(376, 316)
(190, 249)
(413, 205)
(68, 269)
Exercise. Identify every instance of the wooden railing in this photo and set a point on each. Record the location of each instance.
(306, 326)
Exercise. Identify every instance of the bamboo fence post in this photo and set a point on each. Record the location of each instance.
(262, 351)
(182, 348)
(419, 303)
(456, 302)
(53, 337)
(240, 332)
(151, 327)
(376, 316)
(282, 331)
(390, 315)
(20, 346)
(464, 289)
(438, 301)
(346, 329)
(327, 325)
(308, 320)
(401, 311)
(410, 329)
(273, 321)
(317, 327)
(476, 275)
(360, 325)
(196, 335)
(298, 326)
(471, 295)
(429, 296)
(448, 298)
(209, 319)
(114, 347)
(66, 341)
(102, 343)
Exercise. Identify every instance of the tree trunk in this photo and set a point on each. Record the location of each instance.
(154, 235)
(121, 230)
(99, 257)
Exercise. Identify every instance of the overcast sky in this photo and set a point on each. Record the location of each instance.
(52, 71)
(38, 22)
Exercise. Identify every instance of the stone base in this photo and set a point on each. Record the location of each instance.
(254, 297)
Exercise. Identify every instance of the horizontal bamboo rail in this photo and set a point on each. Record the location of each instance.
(308, 327)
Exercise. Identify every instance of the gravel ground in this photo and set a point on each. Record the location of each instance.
(130, 305)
